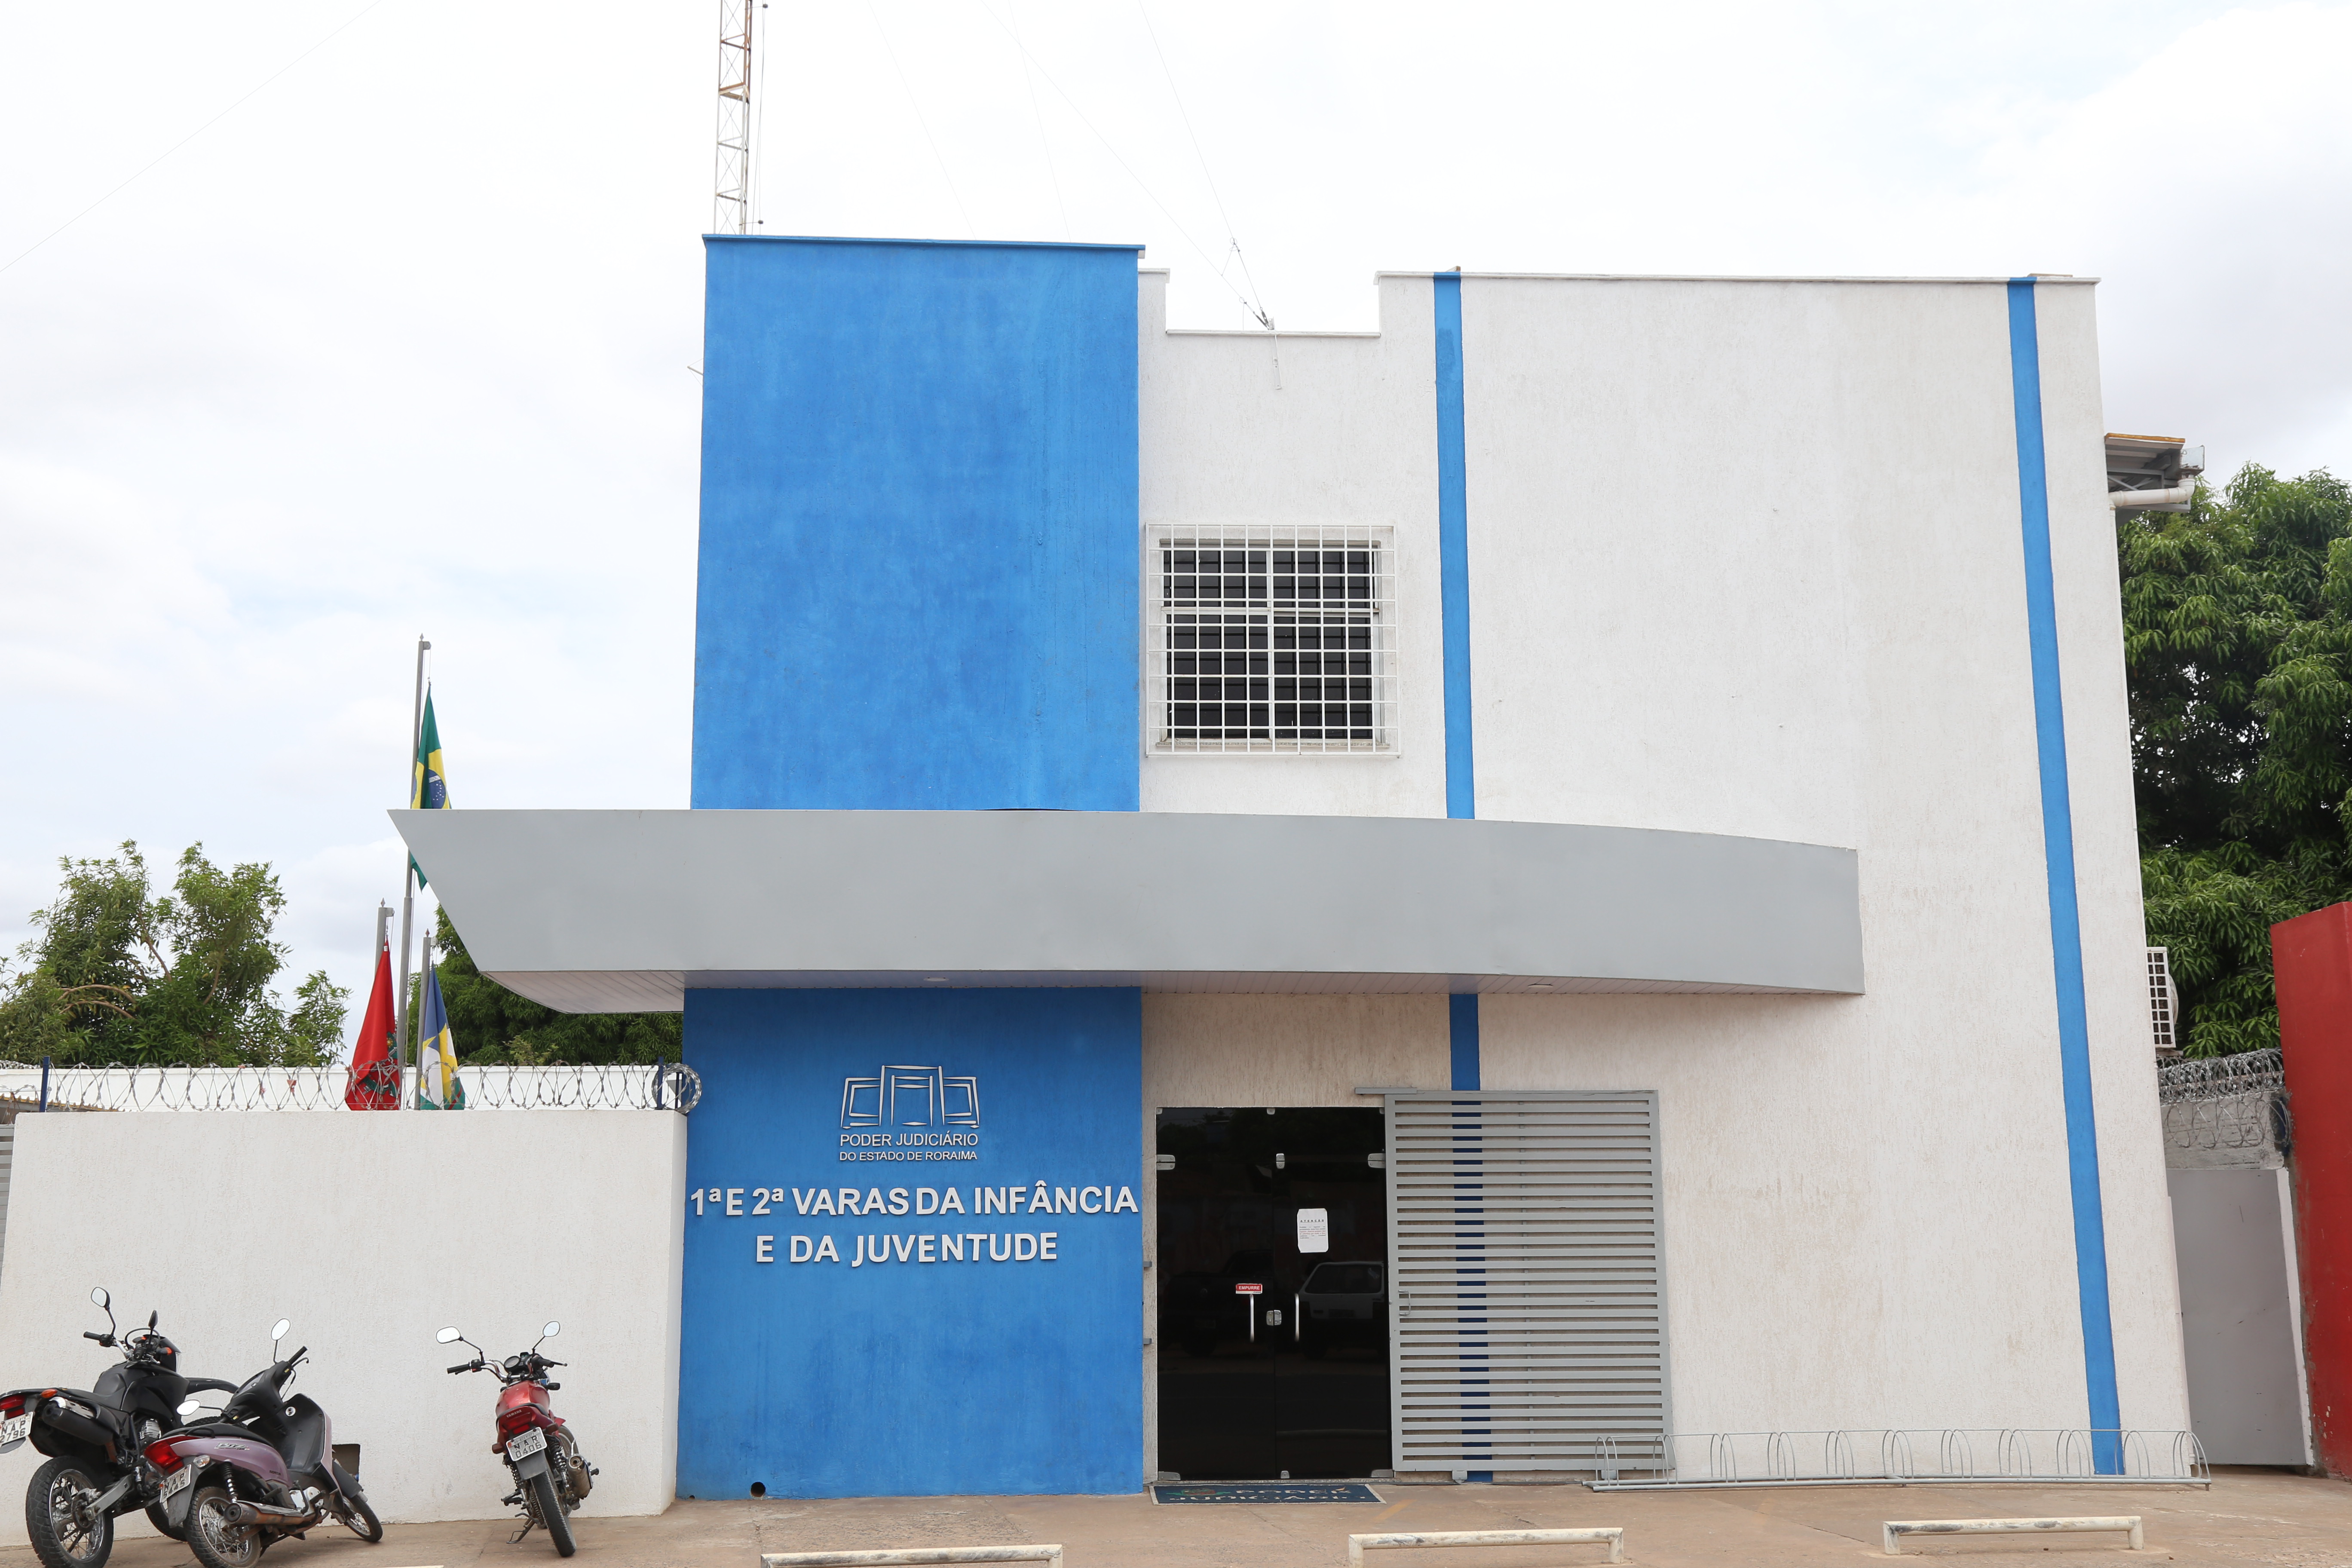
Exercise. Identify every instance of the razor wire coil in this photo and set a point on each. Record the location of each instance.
(2219, 1103)
(671, 1086)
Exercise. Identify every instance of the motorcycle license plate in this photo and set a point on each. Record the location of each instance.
(15, 1432)
(175, 1483)
(524, 1444)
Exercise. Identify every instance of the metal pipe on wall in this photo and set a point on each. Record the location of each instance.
(2136, 500)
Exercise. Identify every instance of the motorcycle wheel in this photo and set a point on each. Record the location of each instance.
(361, 1522)
(161, 1518)
(49, 1518)
(216, 1537)
(550, 1514)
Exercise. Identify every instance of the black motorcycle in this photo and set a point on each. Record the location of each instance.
(265, 1469)
(95, 1439)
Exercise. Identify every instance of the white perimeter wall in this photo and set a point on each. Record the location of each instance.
(1746, 558)
(370, 1230)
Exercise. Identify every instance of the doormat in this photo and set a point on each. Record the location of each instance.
(1267, 1491)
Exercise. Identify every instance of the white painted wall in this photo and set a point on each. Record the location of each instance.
(1746, 558)
(370, 1231)
(1347, 439)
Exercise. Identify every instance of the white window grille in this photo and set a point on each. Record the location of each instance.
(1271, 640)
(2163, 1002)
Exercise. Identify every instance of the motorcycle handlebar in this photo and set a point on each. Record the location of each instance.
(101, 1338)
(463, 1366)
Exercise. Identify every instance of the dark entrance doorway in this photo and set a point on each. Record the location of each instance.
(1273, 1269)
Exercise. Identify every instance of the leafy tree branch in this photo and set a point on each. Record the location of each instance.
(2238, 648)
(116, 976)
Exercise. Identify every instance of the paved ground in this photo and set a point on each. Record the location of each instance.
(2248, 1518)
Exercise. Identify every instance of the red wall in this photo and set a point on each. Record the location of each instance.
(2312, 955)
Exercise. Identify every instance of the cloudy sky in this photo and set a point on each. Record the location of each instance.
(401, 342)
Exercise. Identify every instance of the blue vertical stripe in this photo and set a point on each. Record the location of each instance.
(2058, 849)
(1475, 1401)
(1454, 549)
(1462, 1022)
(1461, 801)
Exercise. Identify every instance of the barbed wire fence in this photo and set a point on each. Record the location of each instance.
(2225, 1110)
(662, 1086)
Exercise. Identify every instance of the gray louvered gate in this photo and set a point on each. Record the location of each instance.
(1525, 1278)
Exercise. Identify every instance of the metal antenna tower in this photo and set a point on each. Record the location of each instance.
(731, 207)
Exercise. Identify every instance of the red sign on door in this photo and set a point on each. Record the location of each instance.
(1249, 1290)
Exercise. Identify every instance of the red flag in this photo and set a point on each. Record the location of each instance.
(375, 1076)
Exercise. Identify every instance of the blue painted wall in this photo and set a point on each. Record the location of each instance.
(920, 527)
(906, 1378)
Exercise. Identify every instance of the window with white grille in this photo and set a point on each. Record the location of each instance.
(1272, 640)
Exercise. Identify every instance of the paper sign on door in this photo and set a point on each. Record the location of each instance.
(1314, 1230)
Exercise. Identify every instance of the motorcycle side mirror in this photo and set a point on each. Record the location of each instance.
(448, 1337)
(99, 1298)
(548, 1332)
(277, 1332)
(151, 1317)
(190, 1407)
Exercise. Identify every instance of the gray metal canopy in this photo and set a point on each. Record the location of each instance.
(626, 911)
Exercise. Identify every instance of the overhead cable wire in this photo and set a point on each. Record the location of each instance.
(758, 137)
(1150, 194)
(916, 104)
(1014, 8)
(1257, 305)
(191, 136)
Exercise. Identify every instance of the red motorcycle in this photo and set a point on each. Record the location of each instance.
(550, 1477)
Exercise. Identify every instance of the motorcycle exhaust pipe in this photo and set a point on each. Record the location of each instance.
(274, 1516)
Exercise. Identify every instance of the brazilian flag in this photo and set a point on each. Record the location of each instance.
(430, 789)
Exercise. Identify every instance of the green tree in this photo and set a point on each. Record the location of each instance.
(2238, 646)
(116, 976)
(314, 1027)
(493, 1026)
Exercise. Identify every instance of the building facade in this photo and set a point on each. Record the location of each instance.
(1454, 900)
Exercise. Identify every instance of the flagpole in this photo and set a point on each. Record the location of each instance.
(400, 1019)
